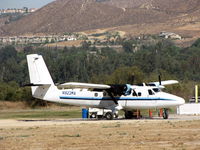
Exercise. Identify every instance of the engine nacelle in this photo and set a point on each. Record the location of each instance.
(124, 89)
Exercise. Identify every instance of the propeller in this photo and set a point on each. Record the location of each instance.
(159, 79)
(113, 98)
(132, 78)
(117, 90)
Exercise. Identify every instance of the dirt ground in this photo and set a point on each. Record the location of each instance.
(180, 134)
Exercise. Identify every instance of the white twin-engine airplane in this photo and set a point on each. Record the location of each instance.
(114, 97)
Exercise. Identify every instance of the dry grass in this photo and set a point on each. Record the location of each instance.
(5, 105)
(62, 134)
(65, 44)
(17, 110)
(123, 135)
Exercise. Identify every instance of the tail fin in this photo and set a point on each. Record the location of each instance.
(41, 83)
(38, 72)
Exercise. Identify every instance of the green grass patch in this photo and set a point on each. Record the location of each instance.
(40, 114)
(99, 34)
(23, 136)
(66, 135)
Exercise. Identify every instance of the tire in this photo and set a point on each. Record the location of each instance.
(99, 117)
(109, 116)
(93, 115)
(128, 114)
(165, 113)
(116, 115)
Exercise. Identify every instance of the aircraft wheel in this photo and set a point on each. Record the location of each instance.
(93, 115)
(116, 115)
(165, 113)
(109, 116)
(128, 114)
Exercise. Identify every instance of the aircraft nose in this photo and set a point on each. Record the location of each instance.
(180, 100)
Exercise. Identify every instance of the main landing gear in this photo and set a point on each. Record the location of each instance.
(135, 114)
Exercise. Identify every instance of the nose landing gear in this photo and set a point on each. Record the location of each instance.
(165, 113)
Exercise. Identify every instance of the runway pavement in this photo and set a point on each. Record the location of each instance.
(10, 123)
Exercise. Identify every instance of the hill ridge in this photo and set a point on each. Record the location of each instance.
(80, 15)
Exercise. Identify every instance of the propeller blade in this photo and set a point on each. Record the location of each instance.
(132, 78)
(159, 78)
(113, 98)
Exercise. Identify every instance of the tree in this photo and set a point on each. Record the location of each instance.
(124, 75)
(85, 45)
(127, 46)
(52, 41)
(196, 43)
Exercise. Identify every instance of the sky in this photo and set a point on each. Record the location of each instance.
(23, 3)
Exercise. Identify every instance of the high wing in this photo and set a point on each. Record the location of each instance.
(163, 83)
(84, 85)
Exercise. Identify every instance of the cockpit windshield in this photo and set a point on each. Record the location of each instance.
(156, 90)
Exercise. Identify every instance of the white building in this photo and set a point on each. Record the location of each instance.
(170, 35)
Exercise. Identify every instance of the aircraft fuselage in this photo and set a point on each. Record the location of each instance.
(139, 98)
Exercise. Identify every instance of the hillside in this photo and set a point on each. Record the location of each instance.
(80, 15)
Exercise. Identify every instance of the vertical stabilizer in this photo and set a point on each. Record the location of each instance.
(38, 72)
(41, 83)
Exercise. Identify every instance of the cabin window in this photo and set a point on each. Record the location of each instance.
(95, 94)
(150, 92)
(139, 94)
(134, 93)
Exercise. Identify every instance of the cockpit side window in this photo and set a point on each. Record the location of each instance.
(150, 92)
(134, 93)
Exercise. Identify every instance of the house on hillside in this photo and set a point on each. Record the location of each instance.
(71, 38)
(15, 10)
(170, 35)
(37, 39)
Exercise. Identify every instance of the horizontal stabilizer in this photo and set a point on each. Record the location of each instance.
(31, 84)
(83, 85)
